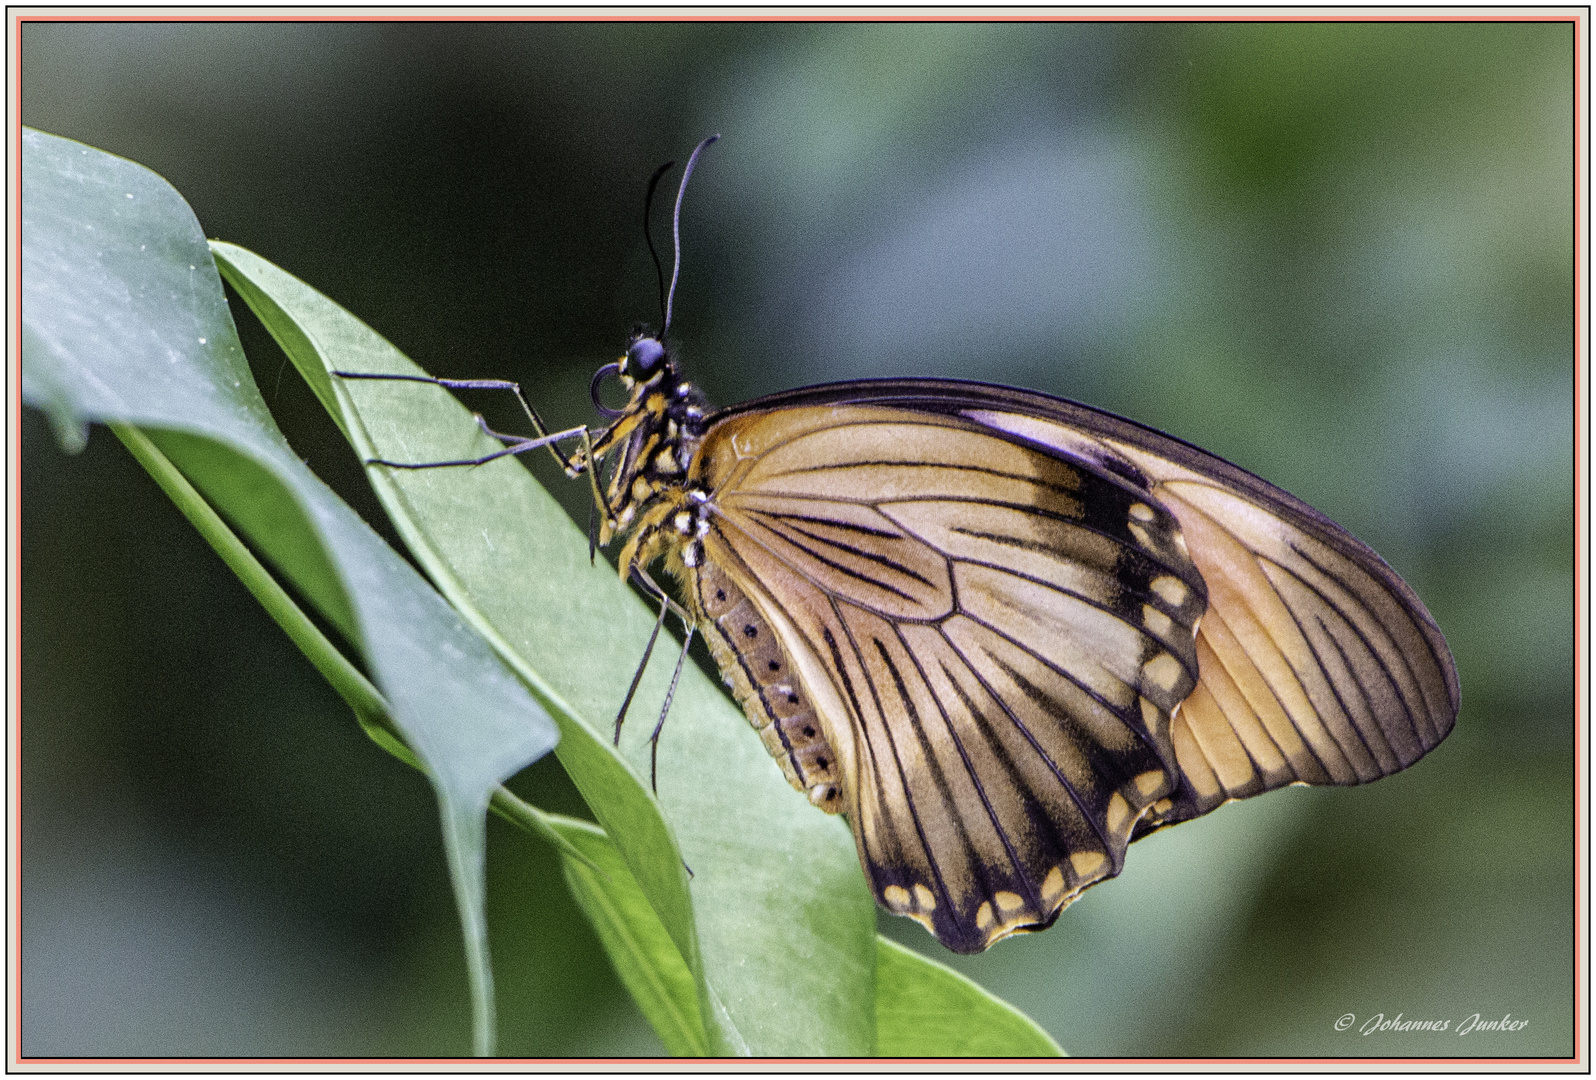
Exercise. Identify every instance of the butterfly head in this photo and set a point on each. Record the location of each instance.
(655, 388)
(645, 356)
(644, 367)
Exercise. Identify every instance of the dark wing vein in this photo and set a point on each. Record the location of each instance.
(1052, 766)
(933, 762)
(874, 557)
(1026, 544)
(1402, 653)
(856, 575)
(983, 724)
(830, 522)
(969, 768)
(1052, 586)
(1329, 678)
(842, 466)
(1024, 508)
(1307, 743)
(1141, 735)
(1353, 671)
(1341, 700)
(914, 813)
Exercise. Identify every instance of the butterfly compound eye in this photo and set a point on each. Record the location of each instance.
(644, 357)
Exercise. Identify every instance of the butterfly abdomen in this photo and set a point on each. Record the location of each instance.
(765, 684)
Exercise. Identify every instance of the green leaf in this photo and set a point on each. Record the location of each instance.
(924, 1009)
(124, 321)
(371, 710)
(644, 955)
(775, 922)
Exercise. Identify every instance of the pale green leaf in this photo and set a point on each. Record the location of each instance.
(125, 321)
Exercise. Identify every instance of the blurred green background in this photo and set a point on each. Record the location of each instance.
(1340, 255)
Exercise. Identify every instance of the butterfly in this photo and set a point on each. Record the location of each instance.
(1002, 633)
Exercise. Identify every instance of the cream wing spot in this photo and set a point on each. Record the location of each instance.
(1149, 783)
(1087, 863)
(1153, 717)
(1118, 813)
(1171, 589)
(1142, 512)
(924, 899)
(1163, 671)
(1008, 903)
(984, 919)
(1156, 621)
(896, 895)
(1053, 886)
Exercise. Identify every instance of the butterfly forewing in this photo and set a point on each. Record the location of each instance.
(1005, 632)
(1318, 663)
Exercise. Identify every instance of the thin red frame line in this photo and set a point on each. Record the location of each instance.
(1581, 606)
(1581, 336)
(15, 660)
(799, 1061)
(819, 16)
(803, 1061)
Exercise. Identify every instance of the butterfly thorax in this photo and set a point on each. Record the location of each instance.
(652, 440)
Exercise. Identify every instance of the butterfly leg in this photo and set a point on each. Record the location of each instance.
(667, 605)
(520, 446)
(653, 739)
(574, 465)
(653, 588)
(544, 437)
(642, 665)
(587, 464)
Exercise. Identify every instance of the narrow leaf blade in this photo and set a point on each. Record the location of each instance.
(926, 1010)
(125, 320)
(644, 955)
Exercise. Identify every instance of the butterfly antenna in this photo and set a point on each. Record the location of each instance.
(648, 235)
(676, 229)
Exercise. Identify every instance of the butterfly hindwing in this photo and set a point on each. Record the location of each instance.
(1005, 634)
